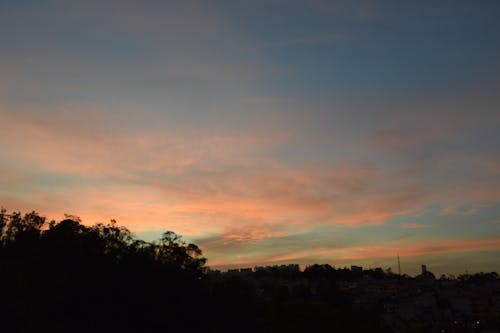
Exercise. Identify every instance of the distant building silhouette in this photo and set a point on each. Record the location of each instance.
(357, 269)
(424, 269)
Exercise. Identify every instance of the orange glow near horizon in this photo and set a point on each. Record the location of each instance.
(334, 138)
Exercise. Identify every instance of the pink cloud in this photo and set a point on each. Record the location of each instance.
(414, 226)
(367, 252)
(195, 182)
(420, 248)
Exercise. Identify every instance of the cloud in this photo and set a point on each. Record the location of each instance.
(183, 116)
(199, 182)
(421, 248)
(414, 226)
(389, 249)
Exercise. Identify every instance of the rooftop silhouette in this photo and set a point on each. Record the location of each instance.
(69, 277)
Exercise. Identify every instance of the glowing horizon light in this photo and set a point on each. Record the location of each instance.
(341, 133)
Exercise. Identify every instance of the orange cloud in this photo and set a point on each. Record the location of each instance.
(195, 182)
(414, 226)
(365, 252)
(420, 248)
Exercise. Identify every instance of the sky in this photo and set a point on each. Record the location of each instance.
(267, 132)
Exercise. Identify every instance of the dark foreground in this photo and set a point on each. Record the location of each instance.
(67, 277)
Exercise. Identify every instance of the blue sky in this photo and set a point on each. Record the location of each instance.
(265, 131)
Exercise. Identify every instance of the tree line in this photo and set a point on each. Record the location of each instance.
(69, 277)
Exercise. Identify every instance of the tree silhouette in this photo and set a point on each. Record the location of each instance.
(66, 276)
(70, 277)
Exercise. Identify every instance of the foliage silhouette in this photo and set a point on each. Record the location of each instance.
(69, 277)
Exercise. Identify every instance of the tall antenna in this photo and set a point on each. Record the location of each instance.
(399, 266)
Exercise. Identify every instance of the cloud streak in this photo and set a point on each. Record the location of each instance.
(218, 180)
(369, 251)
(249, 128)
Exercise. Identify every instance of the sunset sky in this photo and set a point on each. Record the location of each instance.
(267, 132)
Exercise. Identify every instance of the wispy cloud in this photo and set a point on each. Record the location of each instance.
(369, 251)
(219, 180)
(414, 226)
(198, 117)
(421, 248)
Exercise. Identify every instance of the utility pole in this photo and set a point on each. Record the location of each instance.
(399, 266)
